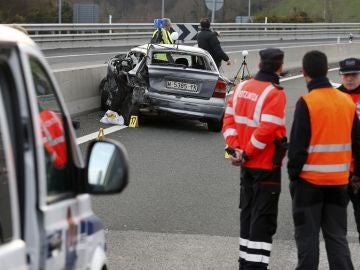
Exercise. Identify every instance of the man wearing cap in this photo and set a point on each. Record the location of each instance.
(324, 137)
(254, 125)
(208, 40)
(350, 78)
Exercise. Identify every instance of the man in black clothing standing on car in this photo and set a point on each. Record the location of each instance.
(208, 40)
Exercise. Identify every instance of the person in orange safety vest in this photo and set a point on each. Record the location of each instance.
(254, 126)
(350, 78)
(325, 134)
(52, 130)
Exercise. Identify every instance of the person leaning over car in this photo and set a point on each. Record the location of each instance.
(350, 79)
(325, 134)
(254, 125)
(208, 40)
(162, 37)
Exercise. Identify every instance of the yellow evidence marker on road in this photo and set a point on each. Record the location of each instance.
(134, 121)
(101, 134)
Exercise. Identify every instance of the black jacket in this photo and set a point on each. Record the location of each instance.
(208, 41)
(301, 134)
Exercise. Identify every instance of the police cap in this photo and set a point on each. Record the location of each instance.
(349, 65)
(271, 54)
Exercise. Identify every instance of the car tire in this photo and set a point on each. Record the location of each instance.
(104, 92)
(214, 125)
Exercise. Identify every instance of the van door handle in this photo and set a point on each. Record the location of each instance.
(55, 242)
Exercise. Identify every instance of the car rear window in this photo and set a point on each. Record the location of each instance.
(180, 59)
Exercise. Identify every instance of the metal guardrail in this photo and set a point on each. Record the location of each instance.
(101, 34)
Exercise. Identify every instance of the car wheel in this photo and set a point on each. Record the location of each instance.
(215, 125)
(104, 92)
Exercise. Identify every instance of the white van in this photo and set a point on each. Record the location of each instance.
(46, 220)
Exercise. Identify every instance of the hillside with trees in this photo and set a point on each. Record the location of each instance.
(190, 11)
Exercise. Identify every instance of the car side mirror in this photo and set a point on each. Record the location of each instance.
(107, 167)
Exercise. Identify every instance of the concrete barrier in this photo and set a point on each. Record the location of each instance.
(80, 86)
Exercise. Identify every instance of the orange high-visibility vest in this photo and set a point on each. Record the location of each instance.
(254, 117)
(52, 130)
(329, 154)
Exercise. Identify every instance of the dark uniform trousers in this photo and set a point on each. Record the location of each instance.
(355, 199)
(320, 207)
(259, 197)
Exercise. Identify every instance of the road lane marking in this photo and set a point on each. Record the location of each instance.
(289, 44)
(299, 76)
(94, 135)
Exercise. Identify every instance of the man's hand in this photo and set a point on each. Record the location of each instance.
(355, 183)
(228, 62)
(238, 159)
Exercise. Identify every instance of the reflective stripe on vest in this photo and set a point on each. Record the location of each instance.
(328, 148)
(326, 168)
(260, 102)
(230, 132)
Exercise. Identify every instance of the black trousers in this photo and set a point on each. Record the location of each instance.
(320, 207)
(355, 200)
(259, 197)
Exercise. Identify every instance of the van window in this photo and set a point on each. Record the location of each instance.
(6, 231)
(5, 205)
(53, 132)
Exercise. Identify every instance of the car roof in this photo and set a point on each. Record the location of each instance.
(13, 35)
(178, 47)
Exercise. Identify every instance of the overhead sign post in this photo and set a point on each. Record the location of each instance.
(214, 5)
(59, 11)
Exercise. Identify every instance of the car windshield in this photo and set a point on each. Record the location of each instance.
(181, 59)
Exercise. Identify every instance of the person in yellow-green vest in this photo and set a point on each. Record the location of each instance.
(162, 37)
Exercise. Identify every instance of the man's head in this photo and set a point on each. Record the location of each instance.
(350, 73)
(167, 23)
(205, 23)
(314, 65)
(271, 60)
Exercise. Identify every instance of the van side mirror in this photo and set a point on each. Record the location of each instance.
(107, 167)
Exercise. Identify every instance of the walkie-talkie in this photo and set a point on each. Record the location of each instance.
(231, 151)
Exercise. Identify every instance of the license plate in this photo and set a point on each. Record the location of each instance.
(189, 87)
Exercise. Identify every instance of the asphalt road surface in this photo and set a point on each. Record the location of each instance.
(180, 210)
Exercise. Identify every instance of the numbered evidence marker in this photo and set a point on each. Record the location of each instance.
(134, 121)
(101, 134)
